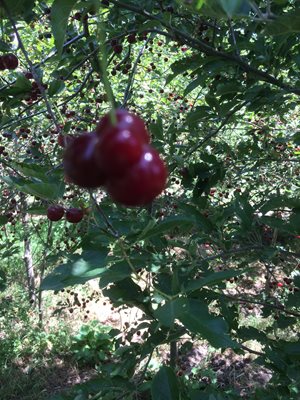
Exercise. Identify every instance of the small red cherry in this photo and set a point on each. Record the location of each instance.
(74, 215)
(10, 61)
(55, 212)
(118, 48)
(131, 38)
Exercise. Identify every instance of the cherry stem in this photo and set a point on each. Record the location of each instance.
(103, 65)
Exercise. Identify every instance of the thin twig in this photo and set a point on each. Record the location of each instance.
(281, 308)
(105, 218)
(237, 50)
(216, 131)
(133, 72)
(207, 49)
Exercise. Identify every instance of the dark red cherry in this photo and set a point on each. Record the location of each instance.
(10, 61)
(80, 162)
(28, 75)
(55, 212)
(142, 182)
(118, 48)
(131, 38)
(117, 150)
(125, 120)
(74, 215)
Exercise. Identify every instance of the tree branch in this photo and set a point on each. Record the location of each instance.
(208, 50)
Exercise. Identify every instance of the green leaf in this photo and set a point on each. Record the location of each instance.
(231, 7)
(56, 87)
(164, 385)
(280, 202)
(126, 292)
(195, 317)
(44, 190)
(282, 225)
(81, 268)
(115, 273)
(37, 210)
(212, 279)
(60, 13)
(167, 225)
(244, 211)
(3, 220)
(157, 129)
(288, 23)
(2, 281)
(167, 313)
(194, 84)
(227, 88)
(296, 138)
(197, 115)
(20, 86)
(17, 8)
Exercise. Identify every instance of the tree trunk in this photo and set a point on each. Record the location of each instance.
(27, 253)
(28, 259)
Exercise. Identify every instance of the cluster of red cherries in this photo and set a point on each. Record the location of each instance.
(8, 61)
(73, 215)
(117, 155)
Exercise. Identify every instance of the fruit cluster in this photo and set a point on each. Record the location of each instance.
(119, 156)
(73, 215)
(8, 61)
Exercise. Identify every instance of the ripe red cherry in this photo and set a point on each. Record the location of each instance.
(117, 150)
(10, 61)
(142, 182)
(118, 48)
(28, 75)
(55, 213)
(80, 162)
(74, 215)
(127, 121)
(131, 38)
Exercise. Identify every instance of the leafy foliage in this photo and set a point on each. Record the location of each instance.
(217, 85)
